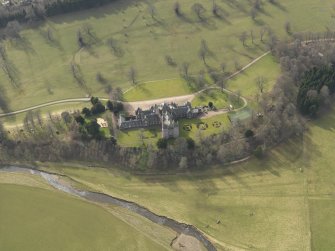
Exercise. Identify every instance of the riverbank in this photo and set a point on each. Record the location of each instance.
(55, 181)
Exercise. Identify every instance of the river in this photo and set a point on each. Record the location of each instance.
(53, 180)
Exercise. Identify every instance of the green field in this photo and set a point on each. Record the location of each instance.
(219, 98)
(158, 89)
(283, 202)
(322, 223)
(138, 137)
(267, 67)
(17, 120)
(270, 204)
(33, 218)
(42, 68)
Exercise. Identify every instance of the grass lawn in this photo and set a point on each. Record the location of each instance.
(220, 99)
(262, 204)
(322, 223)
(240, 115)
(136, 137)
(158, 89)
(42, 68)
(221, 121)
(39, 219)
(267, 68)
(17, 120)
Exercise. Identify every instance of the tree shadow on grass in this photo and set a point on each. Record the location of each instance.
(279, 6)
(326, 120)
(223, 19)
(235, 4)
(50, 39)
(98, 12)
(208, 24)
(169, 181)
(259, 22)
(23, 44)
(141, 87)
(12, 73)
(4, 100)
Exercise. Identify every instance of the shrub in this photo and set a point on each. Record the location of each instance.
(190, 144)
(259, 152)
(249, 133)
(110, 105)
(86, 112)
(162, 143)
(98, 108)
(80, 120)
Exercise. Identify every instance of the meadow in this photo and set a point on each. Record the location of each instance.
(138, 137)
(29, 205)
(282, 202)
(42, 67)
(219, 99)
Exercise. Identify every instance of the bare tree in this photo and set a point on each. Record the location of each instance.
(238, 96)
(216, 10)
(30, 14)
(50, 35)
(118, 94)
(3, 133)
(325, 95)
(272, 41)
(80, 39)
(100, 78)
(262, 33)
(169, 60)
(141, 135)
(39, 118)
(132, 75)
(201, 81)
(176, 9)
(222, 83)
(243, 37)
(13, 29)
(288, 28)
(252, 36)
(253, 13)
(183, 163)
(185, 70)
(199, 10)
(113, 44)
(88, 29)
(223, 67)
(152, 10)
(257, 4)
(260, 82)
(237, 65)
(203, 52)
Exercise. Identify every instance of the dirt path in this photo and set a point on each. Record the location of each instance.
(133, 105)
(178, 99)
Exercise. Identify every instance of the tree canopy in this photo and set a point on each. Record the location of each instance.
(309, 98)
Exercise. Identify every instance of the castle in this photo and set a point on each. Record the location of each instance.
(164, 115)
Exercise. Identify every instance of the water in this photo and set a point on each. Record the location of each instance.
(178, 227)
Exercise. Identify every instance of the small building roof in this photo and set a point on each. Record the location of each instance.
(102, 123)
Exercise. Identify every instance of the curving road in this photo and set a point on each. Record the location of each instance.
(130, 105)
(135, 104)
